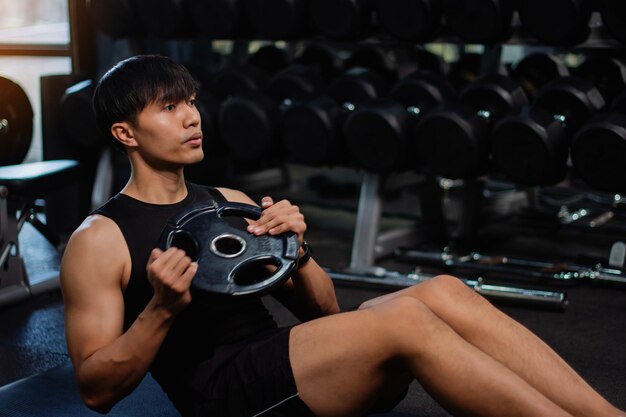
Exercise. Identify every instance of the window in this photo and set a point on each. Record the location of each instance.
(34, 41)
(34, 22)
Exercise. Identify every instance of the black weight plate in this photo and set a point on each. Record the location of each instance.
(607, 74)
(238, 80)
(78, 118)
(572, 97)
(296, 83)
(530, 148)
(495, 94)
(322, 57)
(376, 136)
(536, 70)
(449, 142)
(269, 58)
(599, 151)
(248, 125)
(378, 60)
(311, 132)
(357, 85)
(422, 90)
(16, 123)
(223, 251)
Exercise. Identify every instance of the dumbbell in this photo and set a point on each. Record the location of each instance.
(247, 85)
(252, 75)
(424, 59)
(249, 121)
(220, 19)
(322, 56)
(312, 130)
(270, 59)
(453, 141)
(412, 20)
(536, 70)
(77, 116)
(379, 60)
(531, 147)
(598, 150)
(556, 22)
(278, 19)
(165, 18)
(606, 72)
(613, 14)
(116, 18)
(479, 21)
(341, 19)
(379, 133)
(468, 68)
(16, 123)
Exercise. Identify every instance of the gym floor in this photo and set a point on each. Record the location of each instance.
(590, 334)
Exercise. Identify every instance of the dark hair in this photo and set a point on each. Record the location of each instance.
(134, 83)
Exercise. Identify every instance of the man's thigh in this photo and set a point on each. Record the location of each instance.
(345, 364)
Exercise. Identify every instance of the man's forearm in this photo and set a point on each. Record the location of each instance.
(313, 287)
(112, 372)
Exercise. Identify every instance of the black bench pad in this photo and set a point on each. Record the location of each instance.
(38, 177)
(54, 394)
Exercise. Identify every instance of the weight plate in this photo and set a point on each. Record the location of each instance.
(223, 251)
(16, 123)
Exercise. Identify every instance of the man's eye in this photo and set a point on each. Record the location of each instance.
(192, 102)
(169, 107)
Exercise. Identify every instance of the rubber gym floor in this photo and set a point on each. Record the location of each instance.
(590, 334)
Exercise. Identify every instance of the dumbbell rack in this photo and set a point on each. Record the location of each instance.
(368, 245)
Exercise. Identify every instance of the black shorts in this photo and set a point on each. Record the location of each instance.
(256, 381)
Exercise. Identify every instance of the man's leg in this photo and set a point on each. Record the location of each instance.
(343, 363)
(508, 342)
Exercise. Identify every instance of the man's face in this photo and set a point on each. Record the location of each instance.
(170, 133)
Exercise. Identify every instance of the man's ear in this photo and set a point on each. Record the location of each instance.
(123, 132)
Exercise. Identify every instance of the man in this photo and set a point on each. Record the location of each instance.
(130, 309)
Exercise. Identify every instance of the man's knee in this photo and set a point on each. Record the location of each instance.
(446, 287)
(442, 288)
(403, 315)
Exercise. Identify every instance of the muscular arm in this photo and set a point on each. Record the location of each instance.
(108, 362)
(309, 293)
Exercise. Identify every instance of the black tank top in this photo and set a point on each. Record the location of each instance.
(207, 323)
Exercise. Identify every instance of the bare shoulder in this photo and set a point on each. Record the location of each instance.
(236, 196)
(95, 234)
(96, 249)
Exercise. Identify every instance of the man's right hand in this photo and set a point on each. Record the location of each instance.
(170, 274)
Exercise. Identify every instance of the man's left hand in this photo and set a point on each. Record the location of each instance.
(279, 218)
